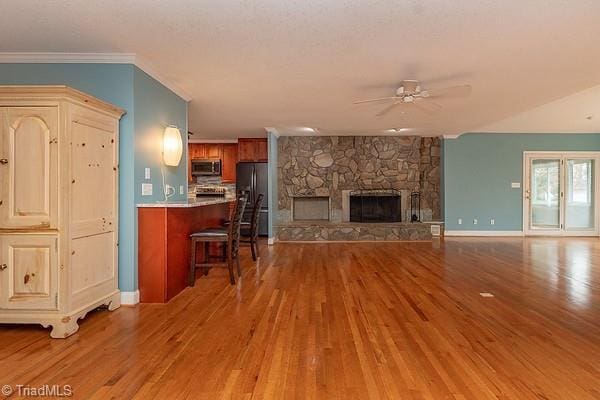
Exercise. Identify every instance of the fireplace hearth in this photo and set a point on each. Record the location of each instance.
(377, 205)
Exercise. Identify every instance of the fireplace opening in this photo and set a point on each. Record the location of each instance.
(310, 208)
(375, 206)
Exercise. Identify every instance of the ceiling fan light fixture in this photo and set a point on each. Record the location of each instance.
(397, 130)
(306, 129)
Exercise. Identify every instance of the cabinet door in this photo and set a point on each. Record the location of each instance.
(246, 150)
(198, 150)
(213, 150)
(252, 149)
(29, 272)
(28, 169)
(229, 163)
(261, 150)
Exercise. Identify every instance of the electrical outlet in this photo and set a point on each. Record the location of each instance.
(146, 189)
(460, 221)
(492, 221)
(475, 221)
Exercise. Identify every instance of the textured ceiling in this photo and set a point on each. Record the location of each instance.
(285, 64)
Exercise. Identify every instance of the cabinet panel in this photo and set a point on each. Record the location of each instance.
(261, 150)
(30, 272)
(93, 174)
(214, 150)
(252, 149)
(229, 162)
(198, 150)
(245, 150)
(92, 262)
(29, 167)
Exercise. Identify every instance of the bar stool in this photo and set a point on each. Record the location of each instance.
(249, 230)
(228, 236)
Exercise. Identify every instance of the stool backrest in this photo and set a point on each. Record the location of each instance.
(236, 220)
(255, 215)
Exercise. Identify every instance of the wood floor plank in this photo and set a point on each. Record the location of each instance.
(346, 321)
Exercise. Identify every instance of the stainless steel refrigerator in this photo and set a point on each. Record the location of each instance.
(252, 177)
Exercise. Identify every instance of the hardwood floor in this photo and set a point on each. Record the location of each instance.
(346, 321)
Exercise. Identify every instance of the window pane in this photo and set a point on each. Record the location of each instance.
(545, 210)
(579, 212)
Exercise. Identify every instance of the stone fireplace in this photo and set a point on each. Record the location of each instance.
(315, 171)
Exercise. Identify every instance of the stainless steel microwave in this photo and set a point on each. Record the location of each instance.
(203, 167)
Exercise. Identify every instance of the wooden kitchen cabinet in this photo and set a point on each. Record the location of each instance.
(58, 237)
(252, 149)
(229, 161)
(214, 150)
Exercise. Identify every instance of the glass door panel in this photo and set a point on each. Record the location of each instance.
(545, 194)
(580, 199)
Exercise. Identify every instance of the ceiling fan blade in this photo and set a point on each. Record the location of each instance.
(387, 109)
(452, 91)
(429, 110)
(374, 100)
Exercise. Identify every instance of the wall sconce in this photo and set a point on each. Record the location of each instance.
(172, 146)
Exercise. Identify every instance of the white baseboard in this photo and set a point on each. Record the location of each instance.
(130, 298)
(484, 233)
(271, 241)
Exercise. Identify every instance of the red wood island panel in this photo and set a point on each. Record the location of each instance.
(164, 246)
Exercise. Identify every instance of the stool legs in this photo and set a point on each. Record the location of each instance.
(192, 277)
(252, 244)
(230, 267)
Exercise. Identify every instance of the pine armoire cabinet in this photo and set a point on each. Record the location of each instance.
(58, 206)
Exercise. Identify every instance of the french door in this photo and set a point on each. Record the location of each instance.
(560, 192)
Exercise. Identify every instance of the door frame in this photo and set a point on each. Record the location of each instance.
(526, 191)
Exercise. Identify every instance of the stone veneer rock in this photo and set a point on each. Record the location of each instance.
(328, 165)
(353, 232)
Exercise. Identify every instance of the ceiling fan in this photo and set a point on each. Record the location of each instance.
(410, 92)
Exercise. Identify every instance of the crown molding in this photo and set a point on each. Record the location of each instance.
(150, 70)
(451, 136)
(92, 58)
(272, 131)
(67, 58)
(212, 141)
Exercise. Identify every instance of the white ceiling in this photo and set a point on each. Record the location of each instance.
(285, 64)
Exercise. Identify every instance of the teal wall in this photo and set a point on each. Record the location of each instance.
(156, 107)
(273, 207)
(115, 83)
(478, 171)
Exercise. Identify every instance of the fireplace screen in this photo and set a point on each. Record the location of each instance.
(375, 206)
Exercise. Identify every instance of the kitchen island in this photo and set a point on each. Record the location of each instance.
(164, 243)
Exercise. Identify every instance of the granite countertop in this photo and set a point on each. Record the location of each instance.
(191, 202)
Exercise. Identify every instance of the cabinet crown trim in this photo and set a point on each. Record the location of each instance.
(57, 92)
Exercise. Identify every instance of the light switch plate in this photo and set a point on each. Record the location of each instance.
(146, 173)
(475, 221)
(146, 189)
(515, 185)
(181, 189)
